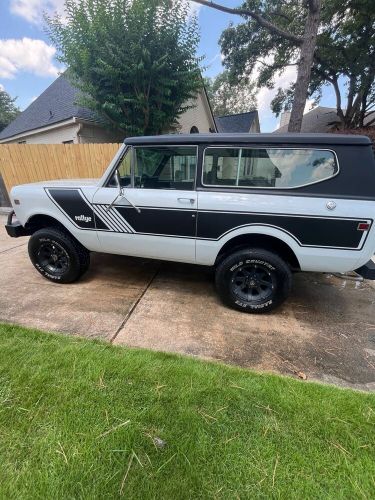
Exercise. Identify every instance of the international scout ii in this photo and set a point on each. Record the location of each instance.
(256, 207)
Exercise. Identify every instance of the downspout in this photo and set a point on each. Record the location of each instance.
(79, 130)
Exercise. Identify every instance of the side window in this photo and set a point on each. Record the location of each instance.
(165, 167)
(124, 169)
(268, 167)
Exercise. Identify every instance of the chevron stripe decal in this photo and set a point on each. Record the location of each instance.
(112, 219)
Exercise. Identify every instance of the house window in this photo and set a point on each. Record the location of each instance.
(68, 142)
(21, 142)
(194, 130)
(267, 167)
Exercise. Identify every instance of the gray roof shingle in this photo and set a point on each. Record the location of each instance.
(55, 104)
(236, 124)
(319, 119)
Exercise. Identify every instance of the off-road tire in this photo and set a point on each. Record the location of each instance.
(72, 259)
(253, 280)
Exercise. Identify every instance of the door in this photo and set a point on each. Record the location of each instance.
(156, 216)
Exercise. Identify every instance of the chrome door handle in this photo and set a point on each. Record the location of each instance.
(186, 200)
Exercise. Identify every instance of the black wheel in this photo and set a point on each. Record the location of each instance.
(58, 256)
(253, 280)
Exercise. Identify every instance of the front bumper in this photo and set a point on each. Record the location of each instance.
(15, 229)
(367, 271)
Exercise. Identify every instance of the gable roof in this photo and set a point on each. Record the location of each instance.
(238, 123)
(319, 119)
(55, 104)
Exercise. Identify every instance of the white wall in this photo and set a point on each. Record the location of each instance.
(255, 128)
(199, 116)
(92, 133)
(53, 136)
(78, 133)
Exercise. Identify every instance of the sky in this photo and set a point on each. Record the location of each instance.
(28, 60)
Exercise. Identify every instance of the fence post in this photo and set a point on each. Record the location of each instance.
(4, 198)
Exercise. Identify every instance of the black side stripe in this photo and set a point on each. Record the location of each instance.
(307, 230)
(74, 206)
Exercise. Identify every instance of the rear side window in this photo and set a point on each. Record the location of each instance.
(267, 167)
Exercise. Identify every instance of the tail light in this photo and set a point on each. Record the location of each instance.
(363, 226)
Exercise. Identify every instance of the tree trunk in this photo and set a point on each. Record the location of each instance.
(340, 112)
(304, 65)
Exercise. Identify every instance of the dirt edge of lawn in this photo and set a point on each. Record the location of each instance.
(85, 418)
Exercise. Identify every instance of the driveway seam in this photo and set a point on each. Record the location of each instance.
(9, 249)
(133, 307)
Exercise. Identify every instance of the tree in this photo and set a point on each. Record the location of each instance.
(8, 109)
(133, 60)
(344, 59)
(292, 25)
(227, 98)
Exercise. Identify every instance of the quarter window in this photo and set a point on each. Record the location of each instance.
(165, 167)
(124, 169)
(267, 167)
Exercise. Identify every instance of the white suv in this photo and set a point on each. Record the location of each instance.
(256, 207)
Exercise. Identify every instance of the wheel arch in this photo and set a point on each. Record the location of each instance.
(40, 221)
(260, 240)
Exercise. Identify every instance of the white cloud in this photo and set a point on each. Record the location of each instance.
(265, 95)
(33, 10)
(26, 54)
(2, 87)
(194, 8)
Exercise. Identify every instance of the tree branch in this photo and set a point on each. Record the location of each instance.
(351, 93)
(275, 66)
(280, 14)
(340, 112)
(297, 40)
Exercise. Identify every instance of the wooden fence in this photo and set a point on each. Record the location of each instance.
(23, 163)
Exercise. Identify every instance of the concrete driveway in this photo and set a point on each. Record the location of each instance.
(326, 329)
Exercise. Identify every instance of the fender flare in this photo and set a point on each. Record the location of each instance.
(264, 229)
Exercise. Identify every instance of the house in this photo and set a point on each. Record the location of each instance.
(238, 123)
(319, 119)
(54, 117)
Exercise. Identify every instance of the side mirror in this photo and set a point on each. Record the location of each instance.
(121, 193)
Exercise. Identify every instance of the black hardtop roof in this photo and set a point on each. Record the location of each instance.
(282, 139)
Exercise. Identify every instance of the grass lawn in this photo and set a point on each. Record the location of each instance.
(79, 419)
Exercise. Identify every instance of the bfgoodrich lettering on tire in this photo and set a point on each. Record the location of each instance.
(58, 256)
(253, 280)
